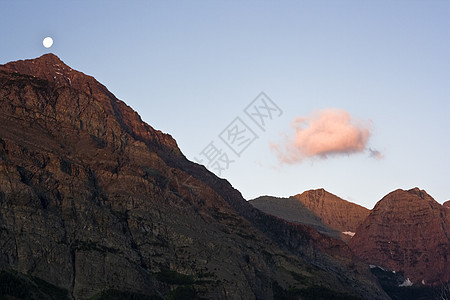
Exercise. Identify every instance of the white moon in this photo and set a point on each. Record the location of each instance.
(47, 42)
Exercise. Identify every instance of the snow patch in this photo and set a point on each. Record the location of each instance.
(407, 282)
(374, 266)
(349, 233)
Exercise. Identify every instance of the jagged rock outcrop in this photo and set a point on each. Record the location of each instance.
(446, 204)
(407, 231)
(94, 200)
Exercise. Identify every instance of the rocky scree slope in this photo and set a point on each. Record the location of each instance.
(93, 200)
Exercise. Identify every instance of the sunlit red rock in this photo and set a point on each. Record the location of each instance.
(407, 231)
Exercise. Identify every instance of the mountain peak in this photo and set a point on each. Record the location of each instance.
(416, 191)
(52, 69)
(400, 198)
(50, 57)
(406, 231)
(319, 191)
(333, 210)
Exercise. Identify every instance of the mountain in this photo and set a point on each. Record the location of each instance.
(334, 211)
(408, 232)
(404, 238)
(95, 203)
(292, 210)
(324, 211)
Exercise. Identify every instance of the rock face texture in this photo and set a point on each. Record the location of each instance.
(407, 231)
(93, 200)
(446, 204)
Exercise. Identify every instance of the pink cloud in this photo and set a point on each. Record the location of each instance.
(324, 133)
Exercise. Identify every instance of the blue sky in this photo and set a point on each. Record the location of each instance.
(191, 67)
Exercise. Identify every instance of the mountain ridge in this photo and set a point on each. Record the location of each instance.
(333, 210)
(323, 210)
(407, 232)
(292, 210)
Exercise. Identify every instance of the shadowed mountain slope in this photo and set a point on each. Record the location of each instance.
(324, 211)
(292, 210)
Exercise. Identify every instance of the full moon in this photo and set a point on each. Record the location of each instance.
(47, 42)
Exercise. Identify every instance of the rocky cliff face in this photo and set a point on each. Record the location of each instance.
(407, 231)
(93, 200)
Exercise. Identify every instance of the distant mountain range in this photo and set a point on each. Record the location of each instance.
(407, 232)
(96, 204)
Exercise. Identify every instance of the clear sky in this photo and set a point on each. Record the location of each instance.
(375, 70)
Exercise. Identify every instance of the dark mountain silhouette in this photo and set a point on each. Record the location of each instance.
(96, 203)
